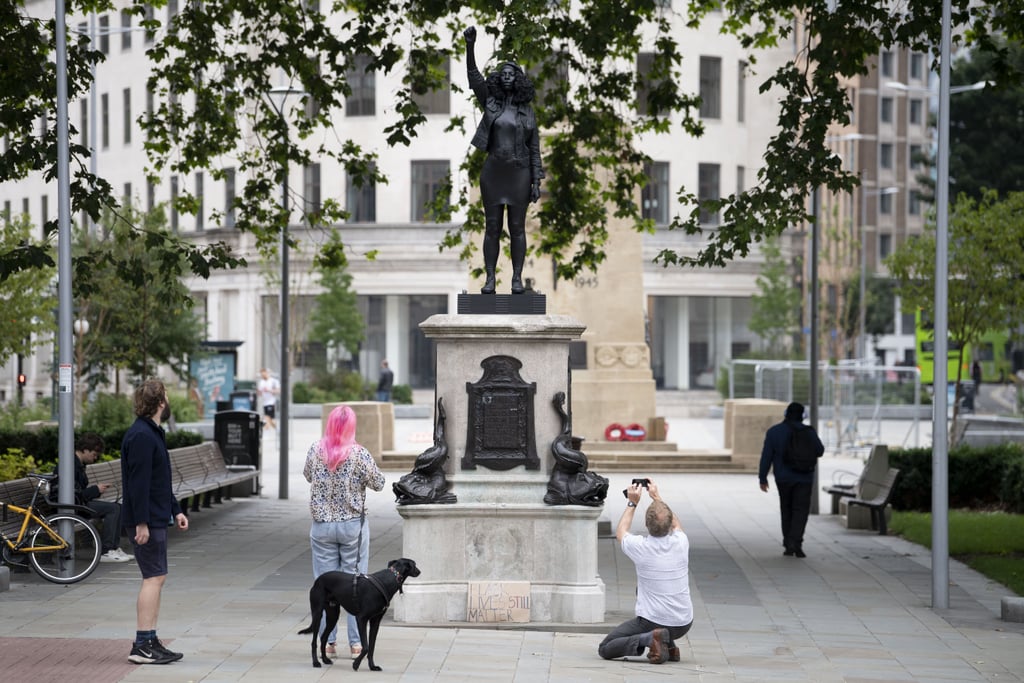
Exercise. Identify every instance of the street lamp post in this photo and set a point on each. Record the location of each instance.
(282, 92)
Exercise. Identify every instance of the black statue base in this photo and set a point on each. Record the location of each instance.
(527, 303)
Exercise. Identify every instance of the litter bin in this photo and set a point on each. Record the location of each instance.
(239, 435)
(243, 400)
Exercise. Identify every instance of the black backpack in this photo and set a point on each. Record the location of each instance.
(801, 454)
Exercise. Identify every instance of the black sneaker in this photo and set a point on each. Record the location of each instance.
(148, 653)
(159, 647)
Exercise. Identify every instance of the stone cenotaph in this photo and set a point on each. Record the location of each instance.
(497, 377)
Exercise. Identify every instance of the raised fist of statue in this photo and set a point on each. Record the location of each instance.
(470, 34)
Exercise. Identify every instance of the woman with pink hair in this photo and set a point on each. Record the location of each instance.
(339, 471)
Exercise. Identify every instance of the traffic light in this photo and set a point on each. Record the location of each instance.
(22, 379)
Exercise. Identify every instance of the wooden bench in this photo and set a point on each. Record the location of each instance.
(880, 501)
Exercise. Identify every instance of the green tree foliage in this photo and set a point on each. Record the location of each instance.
(986, 290)
(139, 311)
(336, 319)
(217, 59)
(984, 125)
(776, 308)
(26, 297)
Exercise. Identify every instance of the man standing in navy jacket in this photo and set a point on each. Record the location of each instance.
(149, 507)
(794, 487)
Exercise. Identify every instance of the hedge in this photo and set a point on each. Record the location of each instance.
(989, 477)
(41, 444)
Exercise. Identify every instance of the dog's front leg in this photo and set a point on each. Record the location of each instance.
(374, 627)
(361, 624)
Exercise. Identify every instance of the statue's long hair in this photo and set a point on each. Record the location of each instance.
(523, 91)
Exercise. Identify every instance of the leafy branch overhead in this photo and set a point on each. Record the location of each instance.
(217, 60)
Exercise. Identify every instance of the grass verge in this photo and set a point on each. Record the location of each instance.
(991, 543)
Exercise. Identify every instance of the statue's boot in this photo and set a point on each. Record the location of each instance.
(518, 248)
(489, 286)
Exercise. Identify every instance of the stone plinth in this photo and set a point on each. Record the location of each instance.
(500, 530)
(554, 548)
(746, 421)
(375, 425)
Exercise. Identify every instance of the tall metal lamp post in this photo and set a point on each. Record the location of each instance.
(277, 97)
(940, 426)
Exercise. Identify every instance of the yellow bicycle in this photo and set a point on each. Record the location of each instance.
(62, 548)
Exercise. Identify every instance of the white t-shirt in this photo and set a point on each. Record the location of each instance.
(662, 577)
(266, 388)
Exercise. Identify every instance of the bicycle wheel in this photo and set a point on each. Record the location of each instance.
(70, 564)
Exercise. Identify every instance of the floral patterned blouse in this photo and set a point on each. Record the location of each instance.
(340, 495)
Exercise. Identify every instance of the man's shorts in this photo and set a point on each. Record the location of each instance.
(152, 557)
(269, 411)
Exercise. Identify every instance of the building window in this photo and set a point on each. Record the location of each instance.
(644, 65)
(437, 101)
(361, 200)
(105, 120)
(361, 79)
(7, 211)
(885, 204)
(172, 10)
(886, 111)
(884, 245)
(707, 190)
(126, 99)
(44, 211)
(916, 112)
(654, 196)
(174, 203)
(311, 190)
(126, 30)
(710, 87)
(200, 210)
(148, 16)
(741, 179)
(914, 203)
(150, 195)
(83, 122)
(149, 105)
(229, 198)
(104, 30)
(914, 155)
(429, 179)
(852, 96)
(885, 155)
(126, 197)
(741, 91)
(917, 66)
(886, 66)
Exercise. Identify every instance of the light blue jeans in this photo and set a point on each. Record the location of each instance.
(335, 545)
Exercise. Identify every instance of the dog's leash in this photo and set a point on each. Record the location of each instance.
(359, 549)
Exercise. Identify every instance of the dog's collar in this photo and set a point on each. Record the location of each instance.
(398, 575)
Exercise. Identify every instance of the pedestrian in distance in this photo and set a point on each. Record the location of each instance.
(664, 610)
(385, 382)
(791, 450)
(149, 506)
(268, 388)
(339, 471)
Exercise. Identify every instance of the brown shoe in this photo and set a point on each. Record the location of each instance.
(673, 654)
(657, 653)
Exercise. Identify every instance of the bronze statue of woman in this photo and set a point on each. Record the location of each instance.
(512, 171)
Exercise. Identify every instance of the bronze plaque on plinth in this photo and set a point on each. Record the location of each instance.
(500, 432)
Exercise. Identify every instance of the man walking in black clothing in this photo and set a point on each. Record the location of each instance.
(794, 486)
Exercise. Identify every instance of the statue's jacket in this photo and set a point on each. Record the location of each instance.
(526, 151)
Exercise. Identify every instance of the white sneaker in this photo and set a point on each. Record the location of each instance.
(126, 556)
(114, 555)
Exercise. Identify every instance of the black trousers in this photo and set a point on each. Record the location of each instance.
(795, 506)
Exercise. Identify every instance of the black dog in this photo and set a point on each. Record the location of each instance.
(366, 597)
